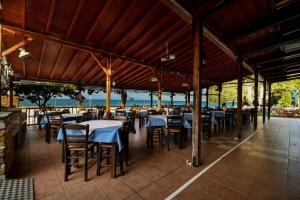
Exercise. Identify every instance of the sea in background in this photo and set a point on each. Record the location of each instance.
(114, 103)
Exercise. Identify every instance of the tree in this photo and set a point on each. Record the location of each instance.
(40, 94)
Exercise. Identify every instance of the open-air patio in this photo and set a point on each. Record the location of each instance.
(155, 48)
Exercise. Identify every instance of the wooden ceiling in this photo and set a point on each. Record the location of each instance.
(133, 34)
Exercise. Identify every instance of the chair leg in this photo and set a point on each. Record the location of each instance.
(67, 167)
(121, 163)
(86, 165)
(98, 159)
(62, 152)
(113, 162)
(168, 140)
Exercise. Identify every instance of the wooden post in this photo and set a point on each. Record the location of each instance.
(108, 91)
(11, 92)
(1, 64)
(185, 97)
(123, 99)
(151, 99)
(80, 100)
(255, 98)
(219, 99)
(269, 101)
(172, 99)
(264, 101)
(188, 103)
(207, 97)
(239, 63)
(159, 95)
(196, 134)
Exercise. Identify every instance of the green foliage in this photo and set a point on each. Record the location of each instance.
(40, 94)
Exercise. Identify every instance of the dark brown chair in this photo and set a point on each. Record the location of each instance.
(54, 124)
(76, 147)
(174, 128)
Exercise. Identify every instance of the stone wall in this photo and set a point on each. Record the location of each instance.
(10, 136)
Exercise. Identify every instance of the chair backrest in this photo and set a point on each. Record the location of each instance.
(54, 118)
(79, 136)
(174, 121)
(66, 111)
(205, 117)
(92, 114)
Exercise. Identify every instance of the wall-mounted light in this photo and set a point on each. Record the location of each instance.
(185, 84)
(24, 55)
(153, 79)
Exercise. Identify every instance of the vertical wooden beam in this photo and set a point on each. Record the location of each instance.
(239, 63)
(207, 89)
(188, 104)
(269, 101)
(219, 99)
(264, 101)
(151, 99)
(123, 99)
(11, 92)
(0, 64)
(80, 100)
(196, 134)
(159, 95)
(172, 99)
(108, 91)
(255, 98)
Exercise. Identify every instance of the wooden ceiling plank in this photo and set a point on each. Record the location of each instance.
(116, 23)
(74, 18)
(94, 26)
(139, 20)
(279, 17)
(70, 64)
(81, 68)
(16, 46)
(50, 16)
(41, 59)
(59, 54)
(81, 47)
(130, 74)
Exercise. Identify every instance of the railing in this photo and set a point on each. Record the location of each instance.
(33, 117)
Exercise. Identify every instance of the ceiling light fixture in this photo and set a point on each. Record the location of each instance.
(168, 56)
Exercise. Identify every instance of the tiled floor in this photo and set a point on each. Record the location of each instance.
(267, 162)
(265, 167)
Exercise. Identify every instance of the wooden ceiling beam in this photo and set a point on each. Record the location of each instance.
(41, 59)
(59, 54)
(285, 56)
(74, 45)
(137, 81)
(74, 18)
(276, 43)
(279, 17)
(288, 64)
(16, 46)
(50, 16)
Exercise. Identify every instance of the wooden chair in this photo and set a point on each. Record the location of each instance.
(110, 153)
(229, 118)
(206, 123)
(76, 147)
(155, 134)
(174, 127)
(54, 124)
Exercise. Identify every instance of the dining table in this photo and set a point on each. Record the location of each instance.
(102, 131)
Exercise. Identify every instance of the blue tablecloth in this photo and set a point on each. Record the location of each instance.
(157, 120)
(188, 116)
(100, 131)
